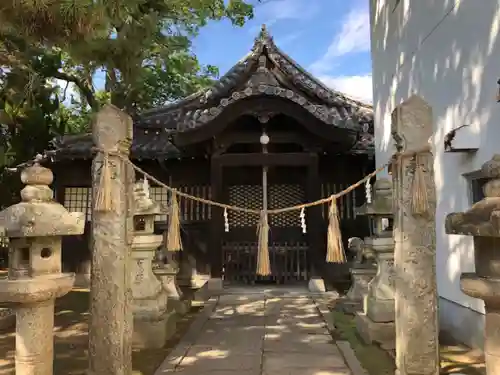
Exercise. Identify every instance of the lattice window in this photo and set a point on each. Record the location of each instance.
(281, 196)
(247, 196)
(346, 203)
(78, 199)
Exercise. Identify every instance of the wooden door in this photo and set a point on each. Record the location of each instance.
(287, 242)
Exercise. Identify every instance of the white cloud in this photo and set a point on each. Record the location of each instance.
(272, 11)
(357, 87)
(354, 36)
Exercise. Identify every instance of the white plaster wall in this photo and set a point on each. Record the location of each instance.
(447, 52)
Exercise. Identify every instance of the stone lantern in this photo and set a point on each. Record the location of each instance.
(152, 319)
(482, 222)
(376, 322)
(35, 279)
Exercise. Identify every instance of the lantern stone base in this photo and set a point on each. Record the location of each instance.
(381, 333)
(380, 311)
(153, 333)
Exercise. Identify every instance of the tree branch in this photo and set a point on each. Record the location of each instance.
(84, 89)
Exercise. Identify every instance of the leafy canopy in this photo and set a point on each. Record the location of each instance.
(51, 48)
(141, 46)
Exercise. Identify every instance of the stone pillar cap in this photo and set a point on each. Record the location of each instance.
(38, 215)
(483, 218)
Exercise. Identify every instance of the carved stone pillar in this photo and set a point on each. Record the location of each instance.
(376, 322)
(35, 280)
(417, 347)
(153, 322)
(110, 324)
(482, 222)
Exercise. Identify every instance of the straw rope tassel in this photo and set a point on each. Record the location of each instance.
(334, 250)
(419, 199)
(174, 242)
(104, 201)
(263, 261)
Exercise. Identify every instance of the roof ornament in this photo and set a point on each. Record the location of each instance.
(264, 34)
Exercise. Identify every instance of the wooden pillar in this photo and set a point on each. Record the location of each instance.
(110, 326)
(314, 227)
(216, 219)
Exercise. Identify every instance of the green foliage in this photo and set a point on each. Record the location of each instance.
(49, 48)
(142, 46)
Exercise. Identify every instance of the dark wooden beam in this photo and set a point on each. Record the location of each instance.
(226, 140)
(313, 216)
(271, 104)
(217, 219)
(275, 137)
(286, 159)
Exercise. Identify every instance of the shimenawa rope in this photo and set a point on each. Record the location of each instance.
(335, 251)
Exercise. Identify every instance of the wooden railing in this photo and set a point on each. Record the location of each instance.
(289, 262)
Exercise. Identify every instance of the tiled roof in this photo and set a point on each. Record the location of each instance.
(147, 144)
(265, 72)
(268, 71)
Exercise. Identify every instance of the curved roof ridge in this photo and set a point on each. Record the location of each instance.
(317, 81)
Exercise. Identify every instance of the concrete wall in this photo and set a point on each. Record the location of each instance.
(447, 52)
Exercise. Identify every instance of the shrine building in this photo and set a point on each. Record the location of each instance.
(265, 114)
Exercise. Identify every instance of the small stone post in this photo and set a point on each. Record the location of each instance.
(35, 280)
(110, 326)
(153, 323)
(482, 221)
(376, 322)
(417, 347)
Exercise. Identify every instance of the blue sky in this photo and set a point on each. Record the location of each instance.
(330, 38)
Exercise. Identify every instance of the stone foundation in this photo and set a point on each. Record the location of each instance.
(380, 311)
(153, 334)
(381, 333)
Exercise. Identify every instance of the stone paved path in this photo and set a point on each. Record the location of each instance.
(258, 334)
